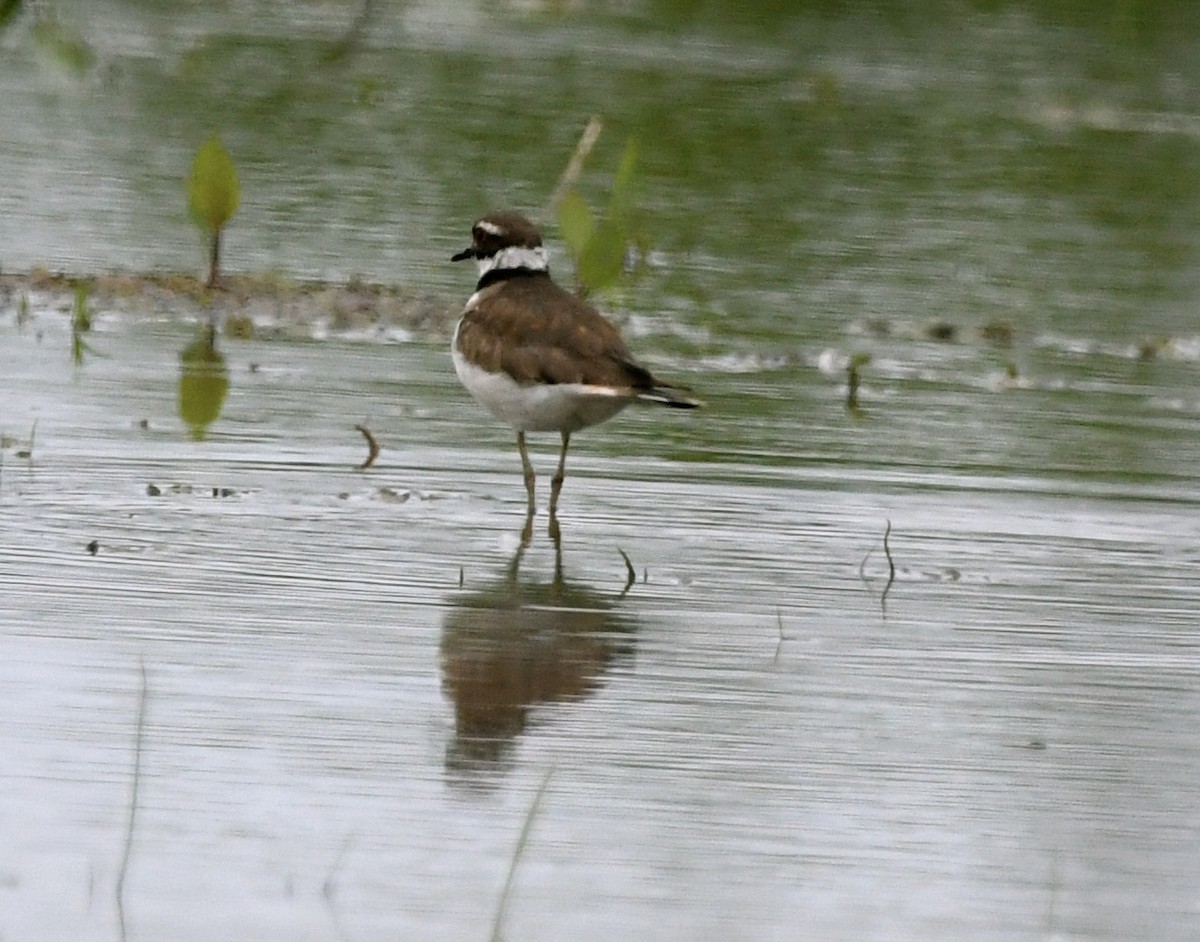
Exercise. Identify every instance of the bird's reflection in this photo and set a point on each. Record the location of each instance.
(517, 643)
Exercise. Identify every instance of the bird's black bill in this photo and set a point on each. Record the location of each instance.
(465, 253)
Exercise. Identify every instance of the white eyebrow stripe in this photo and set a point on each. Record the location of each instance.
(489, 227)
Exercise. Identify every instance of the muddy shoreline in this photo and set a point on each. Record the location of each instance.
(244, 304)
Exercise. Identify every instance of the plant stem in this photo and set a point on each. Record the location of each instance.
(522, 840)
(214, 260)
(123, 870)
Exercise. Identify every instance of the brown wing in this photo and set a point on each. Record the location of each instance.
(539, 333)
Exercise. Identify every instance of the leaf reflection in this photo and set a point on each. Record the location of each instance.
(203, 382)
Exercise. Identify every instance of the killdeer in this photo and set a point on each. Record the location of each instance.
(535, 355)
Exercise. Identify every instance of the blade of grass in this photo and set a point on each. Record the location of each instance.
(518, 851)
(131, 821)
(887, 550)
(575, 165)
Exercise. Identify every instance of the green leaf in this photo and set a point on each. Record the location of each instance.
(63, 45)
(575, 222)
(603, 258)
(213, 193)
(599, 246)
(8, 11)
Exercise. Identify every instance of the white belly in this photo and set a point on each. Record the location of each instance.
(539, 407)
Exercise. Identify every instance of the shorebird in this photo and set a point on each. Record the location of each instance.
(538, 357)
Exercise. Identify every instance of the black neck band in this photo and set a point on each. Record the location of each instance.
(504, 274)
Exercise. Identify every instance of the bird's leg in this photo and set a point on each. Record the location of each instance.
(514, 567)
(527, 470)
(527, 529)
(556, 538)
(560, 474)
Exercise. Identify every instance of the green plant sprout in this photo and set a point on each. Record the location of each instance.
(853, 378)
(598, 244)
(81, 323)
(8, 11)
(213, 198)
(61, 44)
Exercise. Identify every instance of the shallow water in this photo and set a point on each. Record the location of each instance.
(768, 734)
(743, 742)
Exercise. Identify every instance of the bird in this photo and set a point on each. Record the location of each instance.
(538, 357)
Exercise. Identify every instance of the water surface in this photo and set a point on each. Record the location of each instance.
(353, 697)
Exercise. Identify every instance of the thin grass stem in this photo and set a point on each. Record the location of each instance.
(518, 852)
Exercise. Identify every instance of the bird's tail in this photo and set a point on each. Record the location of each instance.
(672, 396)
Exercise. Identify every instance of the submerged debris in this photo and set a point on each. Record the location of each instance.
(630, 574)
(998, 333)
(887, 551)
(372, 447)
(942, 331)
